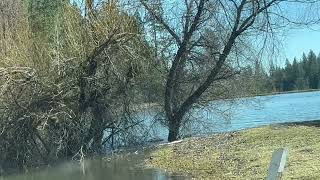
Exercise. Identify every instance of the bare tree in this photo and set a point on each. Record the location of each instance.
(231, 20)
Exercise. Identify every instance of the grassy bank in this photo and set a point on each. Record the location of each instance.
(244, 155)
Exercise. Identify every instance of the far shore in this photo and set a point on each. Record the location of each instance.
(155, 105)
(288, 92)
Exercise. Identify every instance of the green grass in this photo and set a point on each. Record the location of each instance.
(243, 155)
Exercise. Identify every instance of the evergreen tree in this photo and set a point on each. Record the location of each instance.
(294, 69)
(299, 75)
(289, 77)
(313, 68)
(301, 82)
(305, 65)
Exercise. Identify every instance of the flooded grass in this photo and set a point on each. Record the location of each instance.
(245, 154)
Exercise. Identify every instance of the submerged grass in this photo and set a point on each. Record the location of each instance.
(245, 154)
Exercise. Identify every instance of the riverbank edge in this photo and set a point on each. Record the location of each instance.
(287, 92)
(157, 106)
(150, 152)
(243, 154)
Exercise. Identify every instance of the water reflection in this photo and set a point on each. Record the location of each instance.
(120, 169)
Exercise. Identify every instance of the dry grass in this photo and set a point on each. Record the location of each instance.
(244, 155)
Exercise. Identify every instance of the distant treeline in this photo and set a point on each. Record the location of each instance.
(298, 74)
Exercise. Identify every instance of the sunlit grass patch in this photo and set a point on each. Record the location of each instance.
(244, 155)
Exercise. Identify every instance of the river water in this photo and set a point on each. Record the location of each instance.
(282, 108)
(221, 116)
(239, 114)
(124, 168)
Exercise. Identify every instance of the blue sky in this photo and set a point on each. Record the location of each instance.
(301, 40)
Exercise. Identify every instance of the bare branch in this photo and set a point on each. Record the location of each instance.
(162, 22)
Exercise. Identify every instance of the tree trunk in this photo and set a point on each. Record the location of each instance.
(174, 128)
(98, 128)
